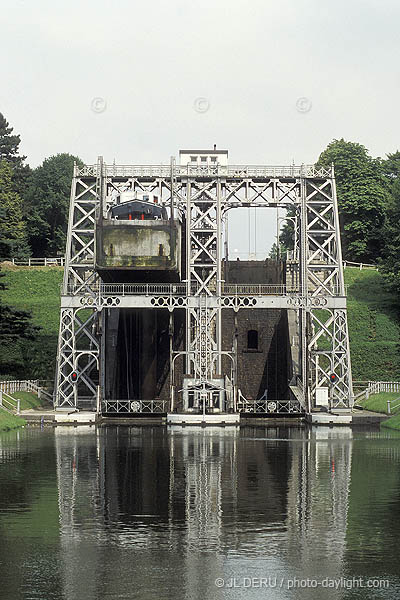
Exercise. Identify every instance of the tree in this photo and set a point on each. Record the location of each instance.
(9, 151)
(287, 233)
(390, 263)
(391, 167)
(362, 199)
(47, 204)
(13, 237)
(273, 252)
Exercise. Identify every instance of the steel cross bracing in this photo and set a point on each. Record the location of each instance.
(325, 343)
(78, 342)
(201, 196)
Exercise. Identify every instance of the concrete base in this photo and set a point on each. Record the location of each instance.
(322, 418)
(209, 419)
(75, 418)
(346, 417)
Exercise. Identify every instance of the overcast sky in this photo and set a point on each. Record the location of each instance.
(277, 81)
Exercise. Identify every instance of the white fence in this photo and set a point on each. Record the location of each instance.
(9, 404)
(59, 261)
(361, 266)
(26, 385)
(375, 387)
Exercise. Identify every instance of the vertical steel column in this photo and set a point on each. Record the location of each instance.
(188, 233)
(203, 244)
(303, 292)
(80, 280)
(65, 391)
(328, 346)
(219, 249)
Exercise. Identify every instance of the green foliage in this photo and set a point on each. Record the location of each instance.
(391, 166)
(390, 263)
(378, 402)
(392, 423)
(273, 251)
(13, 236)
(9, 421)
(9, 152)
(36, 290)
(362, 198)
(16, 329)
(374, 327)
(29, 400)
(47, 204)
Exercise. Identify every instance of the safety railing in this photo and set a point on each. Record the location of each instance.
(361, 266)
(143, 289)
(232, 171)
(26, 385)
(10, 404)
(175, 289)
(391, 407)
(263, 406)
(58, 261)
(253, 290)
(374, 387)
(135, 406)
(180, 289)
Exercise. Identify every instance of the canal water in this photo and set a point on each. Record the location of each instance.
(148, 512)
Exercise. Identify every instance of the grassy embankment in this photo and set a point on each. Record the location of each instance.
(28, 400)
(378, 402)
(36, 290)
(9, 421)
(374, 327)
(393, 422)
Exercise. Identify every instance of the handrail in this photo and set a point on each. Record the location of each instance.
(14, 409)
(58, 261)
(232, 171)
(26, 385)
(180, 289)
(360, 265)
(375, 387)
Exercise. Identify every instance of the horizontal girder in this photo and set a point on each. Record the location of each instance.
(176, 302)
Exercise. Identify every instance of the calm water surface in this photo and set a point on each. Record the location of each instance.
(129, 512)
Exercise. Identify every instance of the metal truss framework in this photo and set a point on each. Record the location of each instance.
(201, 196)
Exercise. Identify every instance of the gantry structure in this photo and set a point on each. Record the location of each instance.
(200, 197)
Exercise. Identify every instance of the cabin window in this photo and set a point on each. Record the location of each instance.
(193, 159)
(203, 159)
(213, 159)
(252, 339)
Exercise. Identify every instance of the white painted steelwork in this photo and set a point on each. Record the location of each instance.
(201, 195)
